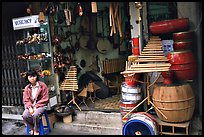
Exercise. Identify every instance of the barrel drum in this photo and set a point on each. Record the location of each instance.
(132, 94)
(140, 123)
(125, 107)
(176, 102)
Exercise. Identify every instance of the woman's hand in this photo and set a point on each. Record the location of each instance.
(31, 111)
(34, 109)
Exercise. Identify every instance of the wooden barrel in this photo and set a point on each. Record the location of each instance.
(176, 102)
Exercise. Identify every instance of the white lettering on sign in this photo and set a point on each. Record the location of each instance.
(25, 22)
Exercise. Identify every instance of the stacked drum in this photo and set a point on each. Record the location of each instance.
(182, 60)
(176, 99)
(131, 95)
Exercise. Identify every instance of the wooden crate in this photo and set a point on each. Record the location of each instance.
(166, 128)
(52, 119)
(67, 119)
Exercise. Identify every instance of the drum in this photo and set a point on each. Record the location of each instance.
(182, 45)
(125, 107)
(176, 102)
(181, 57)
(169, 26)
(141, 123)
(131, 79)
(167, 75)
(183, 36)
(184, 71)
(131, 93)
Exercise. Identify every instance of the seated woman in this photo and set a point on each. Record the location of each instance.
(35, 99)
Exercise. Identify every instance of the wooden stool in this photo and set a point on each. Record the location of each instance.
(172, 128)
(43, 129)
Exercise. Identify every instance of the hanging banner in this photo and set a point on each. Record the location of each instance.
(25, 22)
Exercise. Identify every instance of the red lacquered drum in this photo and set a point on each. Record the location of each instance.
(182, 45)
(184, 71)
(131, 79)
(167, 75)
(183, 36)
(169, 26)
(181, 57)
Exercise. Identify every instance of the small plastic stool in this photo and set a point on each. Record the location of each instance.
(43, 129)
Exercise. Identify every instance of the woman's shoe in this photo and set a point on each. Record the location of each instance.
(36, 133)
(31, 132)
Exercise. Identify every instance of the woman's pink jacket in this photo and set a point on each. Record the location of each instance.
(42, 96)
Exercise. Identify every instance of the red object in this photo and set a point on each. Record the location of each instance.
(184, 71)
(169, 26)
(167, 81)
(80, 10)
(182, 45)
(127, 104)
(131, 80)
(135, 51)
(135, 42)
(183, 36)
(167, 75)
(181, 57)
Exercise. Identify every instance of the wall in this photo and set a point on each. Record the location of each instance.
(193, 11)
(89, 55)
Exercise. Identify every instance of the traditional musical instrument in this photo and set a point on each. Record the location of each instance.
(169, 26)
(150, 60)
(177, 102)
(70, 83)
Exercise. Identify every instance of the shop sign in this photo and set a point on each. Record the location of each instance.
(25, 22)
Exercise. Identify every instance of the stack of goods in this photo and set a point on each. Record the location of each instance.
(151, 59)
(183, 65)
(176, 99)
(182, 59)
(131, 96)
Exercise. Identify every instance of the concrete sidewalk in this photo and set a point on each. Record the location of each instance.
(15, 127)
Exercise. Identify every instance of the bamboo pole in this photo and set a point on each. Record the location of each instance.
(151, 60)
(142, 71)
(151, 65)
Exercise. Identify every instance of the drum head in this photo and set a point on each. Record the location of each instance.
(135, 126)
